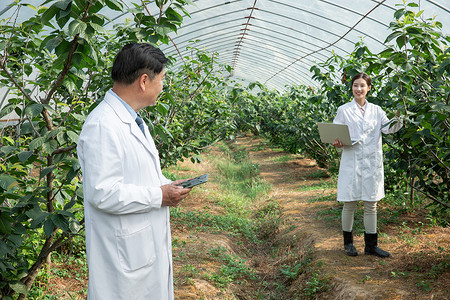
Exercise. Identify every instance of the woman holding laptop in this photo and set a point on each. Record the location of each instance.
(361, 175)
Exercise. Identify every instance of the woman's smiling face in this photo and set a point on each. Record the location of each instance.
(360, 90)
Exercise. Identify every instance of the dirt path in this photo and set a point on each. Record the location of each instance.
(418, 269)
(361, 277)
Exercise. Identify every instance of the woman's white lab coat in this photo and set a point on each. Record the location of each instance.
(361, 174)
(128, 239)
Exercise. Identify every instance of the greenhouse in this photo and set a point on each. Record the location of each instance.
(245, 86)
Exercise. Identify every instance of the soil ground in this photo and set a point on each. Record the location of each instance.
(415, 247)
(418, 269)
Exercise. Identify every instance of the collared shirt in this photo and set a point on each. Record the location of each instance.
(362, 108)
(127, 106)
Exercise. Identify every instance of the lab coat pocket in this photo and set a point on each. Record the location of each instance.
(136, 250)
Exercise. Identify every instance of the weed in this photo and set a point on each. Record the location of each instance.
(292, 272)
(326, 198)
(318, 174)
(315, 285)
(322, 185)
(233, 269)
(283, 159)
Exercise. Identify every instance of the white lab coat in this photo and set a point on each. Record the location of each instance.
(361, 174)
(128, 239)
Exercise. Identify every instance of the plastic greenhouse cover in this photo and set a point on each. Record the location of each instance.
(276, 42)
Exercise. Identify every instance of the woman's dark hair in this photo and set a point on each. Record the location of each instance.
(135, 59)
(363, 76)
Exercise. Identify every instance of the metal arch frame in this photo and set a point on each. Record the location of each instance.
(186, 41)
(287, 57)
(280, 33)
(240, 41)
(255, 32)
(267, 60)
(271, 31)
(330, 45)
(228, 41)
(264, 21)
(320, 28)
(225, 56)
(225, 43)
(285, 46)
(230, 55)
(276, 38)
(277, 66)
(282, 83)
(353, 11)
(292, 73)
(440, 6)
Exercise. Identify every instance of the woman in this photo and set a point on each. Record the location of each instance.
(361, 175)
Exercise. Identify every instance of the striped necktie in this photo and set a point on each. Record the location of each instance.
(361, 109)
(140, 123)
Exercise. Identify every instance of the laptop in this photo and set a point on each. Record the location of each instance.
(330, 131)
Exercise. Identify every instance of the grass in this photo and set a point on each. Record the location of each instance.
(321, 185)
(68, 262)
(233, 269)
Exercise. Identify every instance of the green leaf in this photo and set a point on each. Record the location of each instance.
(50, 146)
(63, 4)
(393, 36)
(37, 215)
(114, 5)
(19, 287)
(163, 30)
(34, 109)
(4, 249)
(163, 108)
(48, 227)
(70, 204)
(62, 20)
(49, 14)
(98, 28)
(73, 136)
(46, 171)
(5, 224)
(16, 240)
(69, 84)
(7, 109)
(7, 182)
(37, 143)
(77, 27)
(74, 226)
(24, 155)
(60, 221)
(5, 150)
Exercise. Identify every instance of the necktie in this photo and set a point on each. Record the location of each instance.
(361, 109)
(140, 123)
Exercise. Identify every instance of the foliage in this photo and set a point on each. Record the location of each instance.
(233, 270)
(56, 67)
(410, 76)
(290, 120)
(193, 111)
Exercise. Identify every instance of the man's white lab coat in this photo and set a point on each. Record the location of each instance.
(361, 173)
(128, 239)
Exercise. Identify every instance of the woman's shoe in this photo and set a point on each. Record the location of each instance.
(371, 248)
(350, 250)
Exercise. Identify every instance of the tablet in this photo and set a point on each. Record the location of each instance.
(330, 131)
(194, 181)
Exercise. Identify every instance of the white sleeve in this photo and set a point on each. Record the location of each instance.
(101, 157)
(390, 126)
